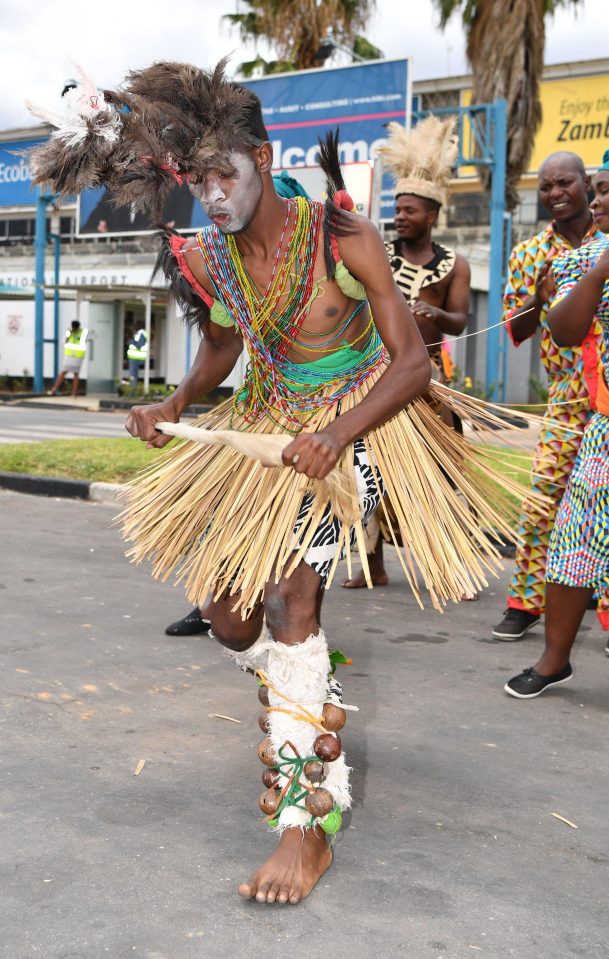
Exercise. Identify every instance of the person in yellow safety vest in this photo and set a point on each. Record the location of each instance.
(74, 352)
(137, 351)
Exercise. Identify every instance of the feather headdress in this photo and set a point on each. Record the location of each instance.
(167, 123)
(421, 159)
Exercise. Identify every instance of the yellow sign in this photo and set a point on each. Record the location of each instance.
(575, 117)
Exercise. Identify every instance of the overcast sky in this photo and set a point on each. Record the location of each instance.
(108, 38)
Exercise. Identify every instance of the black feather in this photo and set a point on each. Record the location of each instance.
(337, 222)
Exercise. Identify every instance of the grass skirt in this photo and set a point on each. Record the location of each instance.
(224, 521)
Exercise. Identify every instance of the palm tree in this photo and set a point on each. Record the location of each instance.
(297, 29)
(505, 47)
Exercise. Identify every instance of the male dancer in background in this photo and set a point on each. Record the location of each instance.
(572, 373)
(434, 279)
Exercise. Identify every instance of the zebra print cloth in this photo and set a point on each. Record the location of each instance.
(413, 277)
(322, 549)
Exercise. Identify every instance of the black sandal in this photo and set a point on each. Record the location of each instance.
(192, 624)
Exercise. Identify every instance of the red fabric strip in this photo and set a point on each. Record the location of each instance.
(343, 201)
(176, 243)
(596, 384)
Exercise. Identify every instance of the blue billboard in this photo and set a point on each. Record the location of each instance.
(361, 100)
(15, 174)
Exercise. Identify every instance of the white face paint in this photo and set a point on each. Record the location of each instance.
(230, 201)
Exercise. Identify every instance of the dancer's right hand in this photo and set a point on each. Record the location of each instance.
(142, 419)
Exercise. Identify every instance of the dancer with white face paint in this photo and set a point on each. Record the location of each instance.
(298, 282)
(230, 201)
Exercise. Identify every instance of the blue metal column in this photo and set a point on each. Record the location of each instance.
(505, 341)
(497, 253)
(55, 340)
(40, 241)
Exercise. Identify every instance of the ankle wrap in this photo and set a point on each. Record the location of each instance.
(307, 777)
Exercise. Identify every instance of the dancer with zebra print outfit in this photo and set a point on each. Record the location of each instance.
(297, 282)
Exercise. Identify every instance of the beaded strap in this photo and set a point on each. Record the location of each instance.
(274, 384)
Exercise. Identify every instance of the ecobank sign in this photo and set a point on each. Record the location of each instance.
(16, 175)
(298, 108)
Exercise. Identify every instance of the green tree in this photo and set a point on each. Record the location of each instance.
(505, 47)
(296, 29)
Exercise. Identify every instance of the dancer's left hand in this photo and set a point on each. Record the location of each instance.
(314, 454)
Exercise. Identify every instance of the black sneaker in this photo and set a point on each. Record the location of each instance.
(192, 624)
(530, 684)
(607, 646)
(515, 624)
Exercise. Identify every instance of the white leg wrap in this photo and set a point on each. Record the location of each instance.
(257, 655)
(300, 673)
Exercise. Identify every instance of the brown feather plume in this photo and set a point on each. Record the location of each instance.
(167, 121)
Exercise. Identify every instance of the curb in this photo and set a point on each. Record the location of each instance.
(63, 488)
(42, 404)
(108, 406)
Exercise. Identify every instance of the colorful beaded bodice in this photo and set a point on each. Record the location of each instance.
(569, 269)
(563, 364)
(271, 323)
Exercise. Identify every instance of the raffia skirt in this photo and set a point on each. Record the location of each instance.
(223, 521)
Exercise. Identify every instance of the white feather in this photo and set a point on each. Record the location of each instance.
(43, 113)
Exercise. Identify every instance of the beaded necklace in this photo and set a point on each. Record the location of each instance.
(273, 383)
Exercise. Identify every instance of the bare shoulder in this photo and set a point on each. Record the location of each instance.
(461, 269)
(363, 250)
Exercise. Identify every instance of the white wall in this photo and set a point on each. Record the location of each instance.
(17, 335)
(176, 353)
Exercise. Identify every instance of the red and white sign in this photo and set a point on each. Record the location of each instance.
(14, 324)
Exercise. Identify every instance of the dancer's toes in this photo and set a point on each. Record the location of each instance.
(273, 893)
(284, 894)
(291, 872)
(359, 580)
(247, 890)
(356, 582)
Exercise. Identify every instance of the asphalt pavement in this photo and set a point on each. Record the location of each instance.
(451, 849)
(32, 423)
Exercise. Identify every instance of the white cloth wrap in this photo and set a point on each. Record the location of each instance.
(301, 674)
(256, 656)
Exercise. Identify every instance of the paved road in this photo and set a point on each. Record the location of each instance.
(31, 424)
(20, 424)
(450, 851)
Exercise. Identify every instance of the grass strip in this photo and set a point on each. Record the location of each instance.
(113, 460)
(117, 460)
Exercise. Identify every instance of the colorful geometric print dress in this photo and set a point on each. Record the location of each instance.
(579, 544)
(571, 374)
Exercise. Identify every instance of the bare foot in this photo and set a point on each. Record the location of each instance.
(378, 577)
(289, 875)
(469, 599)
